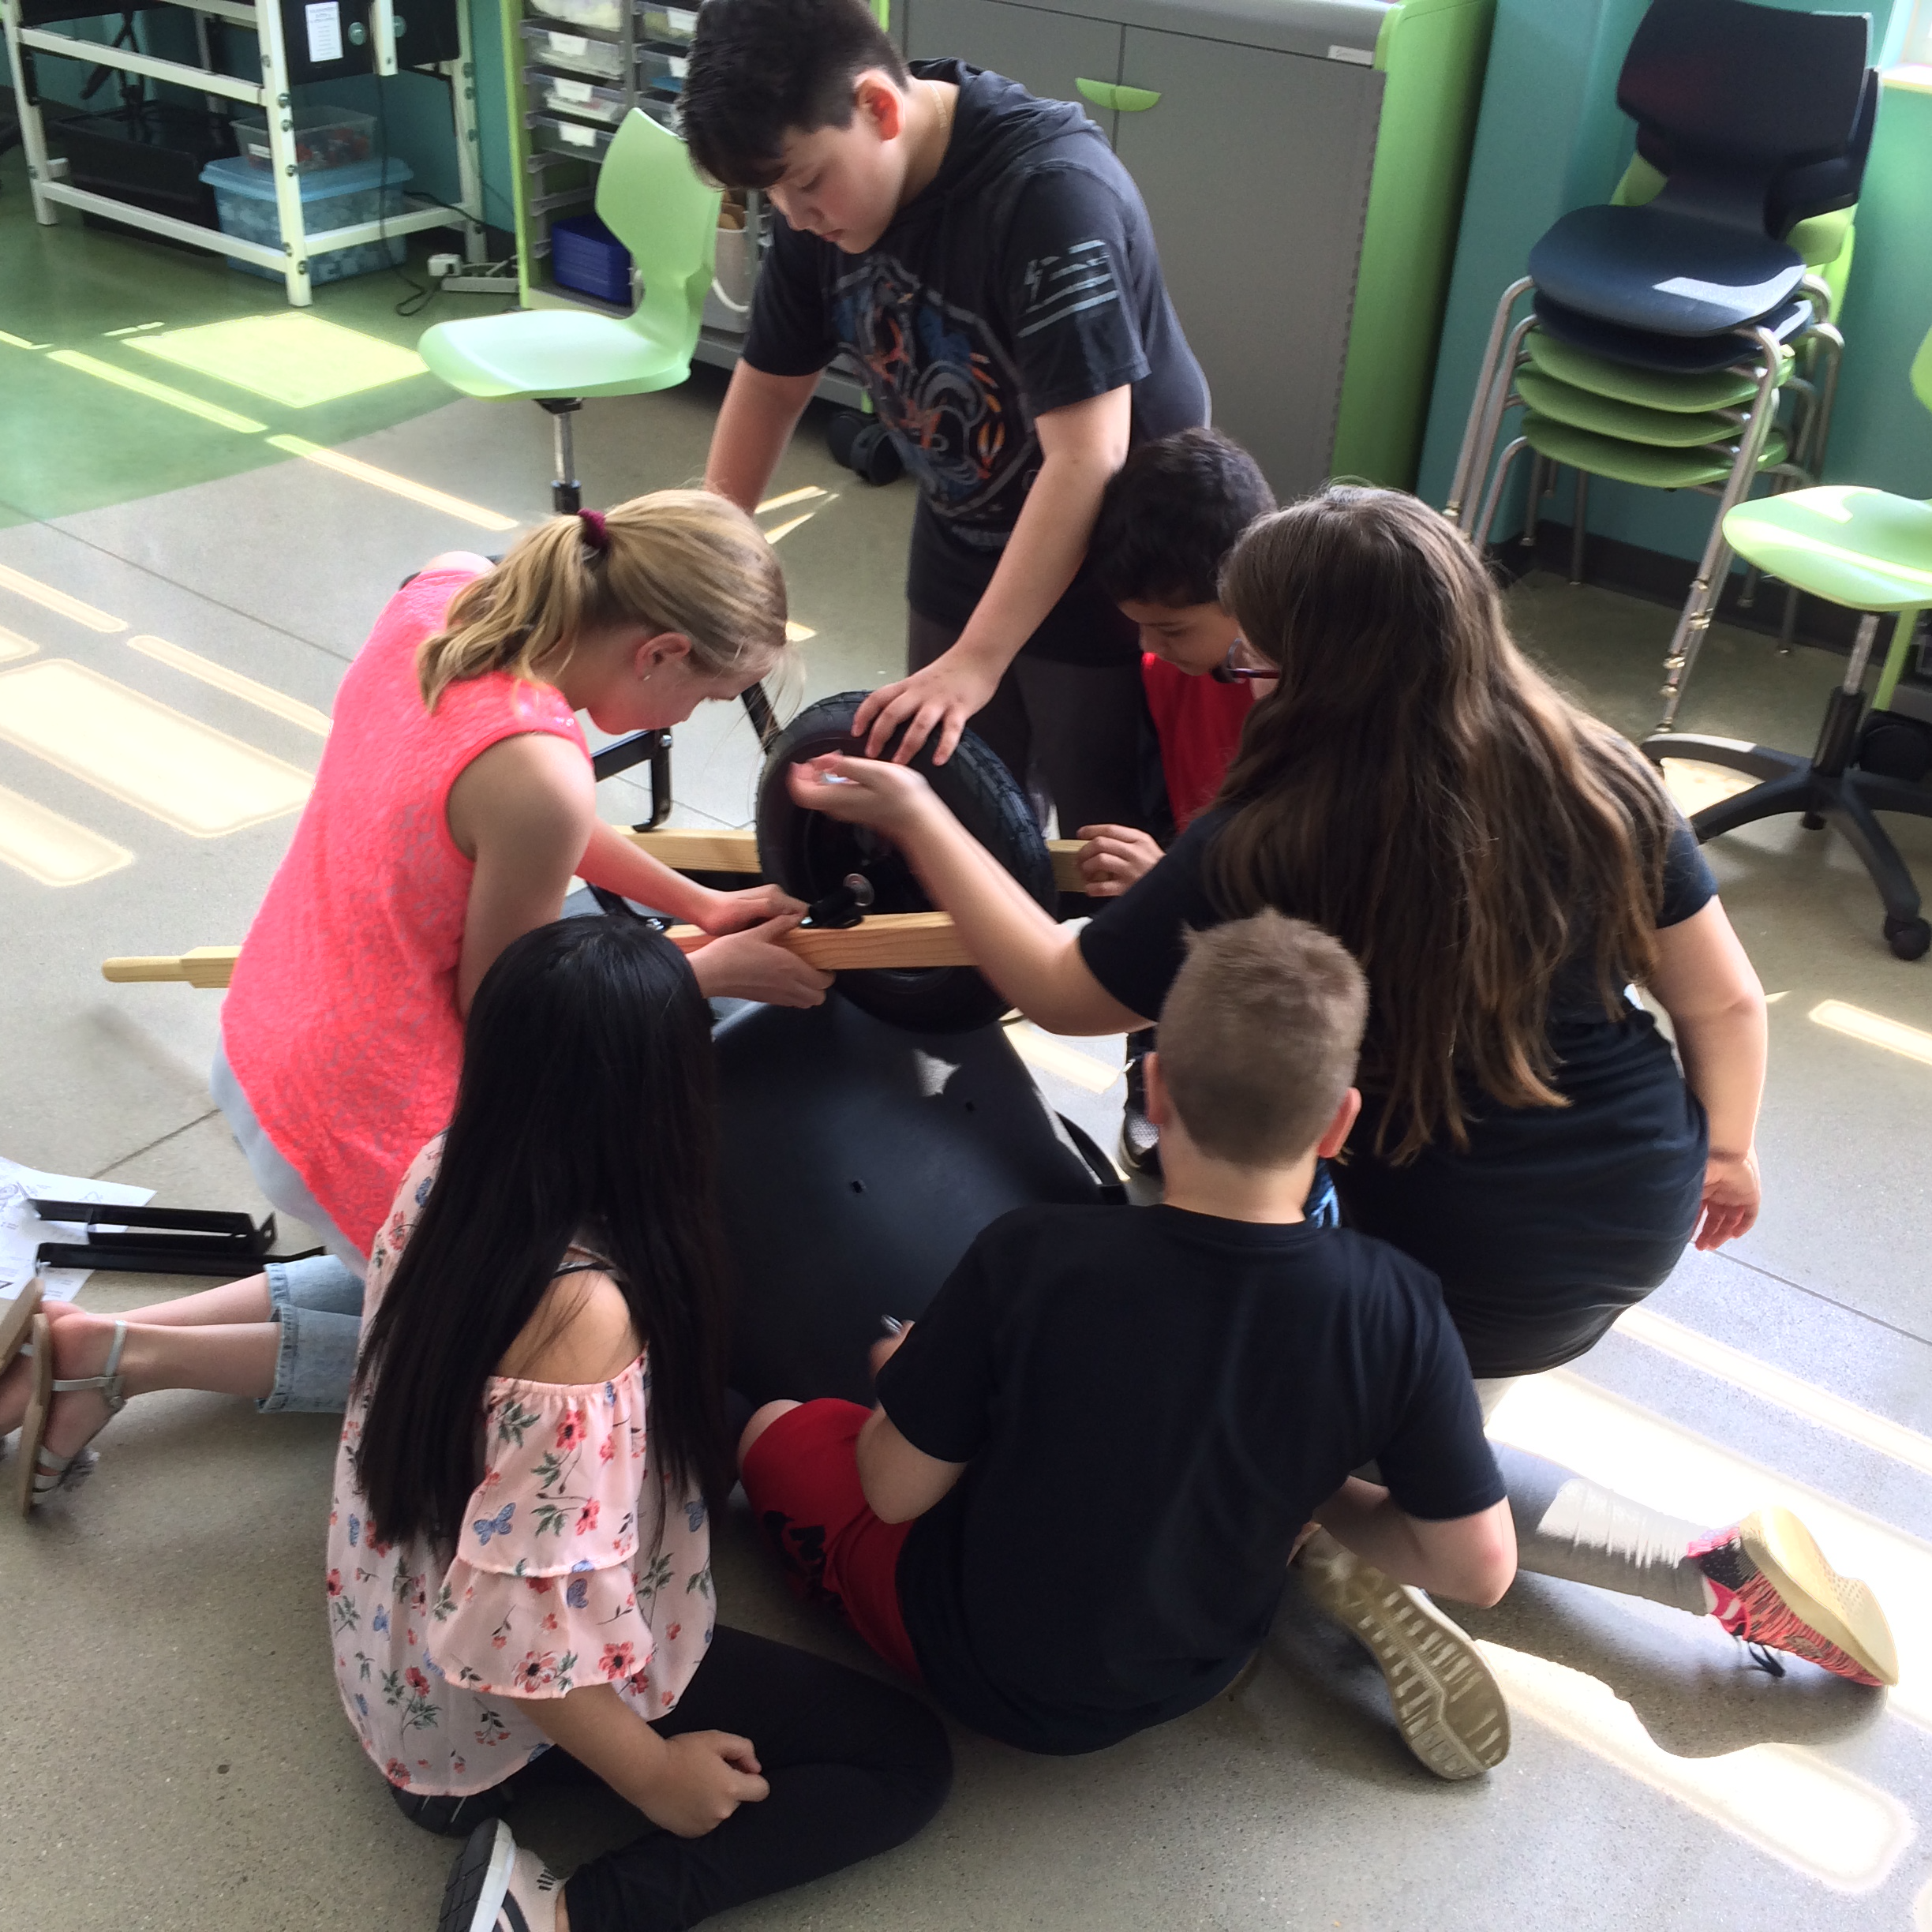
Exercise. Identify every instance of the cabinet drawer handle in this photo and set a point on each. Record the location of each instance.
(1123, 99)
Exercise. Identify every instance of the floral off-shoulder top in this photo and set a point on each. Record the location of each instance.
(576, 1565)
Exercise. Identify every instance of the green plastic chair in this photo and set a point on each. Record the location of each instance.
(1659, 430)
(648, 197)
(1870, 552)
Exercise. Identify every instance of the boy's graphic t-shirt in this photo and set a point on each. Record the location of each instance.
(1022, 279)
(1150, 1403)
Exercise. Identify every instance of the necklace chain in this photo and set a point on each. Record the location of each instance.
(944, 102)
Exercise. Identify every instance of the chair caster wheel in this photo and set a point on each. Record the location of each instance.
(875, 456)
(862, 443)
(1909, 938)
(842, 431)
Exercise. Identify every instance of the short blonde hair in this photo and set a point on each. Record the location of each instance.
(683, 560)
(1259, 1036)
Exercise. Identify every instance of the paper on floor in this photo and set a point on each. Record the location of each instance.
(22, 1230)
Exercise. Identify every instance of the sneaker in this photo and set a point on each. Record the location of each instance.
(493, 1887)
(1448, 1708)
(1140, 1141)
(1775, 1589)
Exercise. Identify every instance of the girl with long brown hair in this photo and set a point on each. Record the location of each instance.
(1505, 868)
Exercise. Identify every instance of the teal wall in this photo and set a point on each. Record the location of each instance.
(1550, 138)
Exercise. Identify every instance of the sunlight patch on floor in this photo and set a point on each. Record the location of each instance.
(395, 485)
(1788, 1801)
(157, 392)
(58, 601)
(185, 773)
(1640, 1454)
(1873, 1029)
(234, 682)
(51, 849)
(1694, 785)
(293, 359)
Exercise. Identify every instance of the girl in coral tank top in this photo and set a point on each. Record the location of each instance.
(453, 804)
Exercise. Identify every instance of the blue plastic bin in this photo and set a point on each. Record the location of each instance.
(586, 256)
(337, 197)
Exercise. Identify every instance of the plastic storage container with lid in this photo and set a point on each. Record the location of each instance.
(572, 54)
(586, 256)
(674, 24)
(570, 96)
(366, 191)
(324, 137)
(605, 15)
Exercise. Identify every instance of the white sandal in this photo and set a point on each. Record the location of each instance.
(41, 1471)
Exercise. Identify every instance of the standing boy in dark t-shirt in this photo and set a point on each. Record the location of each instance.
(987, 262)
(1072, 1513)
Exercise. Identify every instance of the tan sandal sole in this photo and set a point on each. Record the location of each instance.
(1448, 1707)
(1841, 1609)
(33, 1424)
(16, 1318)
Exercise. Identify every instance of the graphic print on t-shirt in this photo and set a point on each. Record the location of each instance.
(943, 382)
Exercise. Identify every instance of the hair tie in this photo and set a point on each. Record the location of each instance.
(595, 534)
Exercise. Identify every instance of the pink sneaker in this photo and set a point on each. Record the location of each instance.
(1774, 1588)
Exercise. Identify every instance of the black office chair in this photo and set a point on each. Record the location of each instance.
(1743, 98)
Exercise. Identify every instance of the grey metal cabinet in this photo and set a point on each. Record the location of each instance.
(1047, 53)
(1255, 167)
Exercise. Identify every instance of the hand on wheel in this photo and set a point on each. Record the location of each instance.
(1731, 1194)
(939, 699)
(859, 791)
(1113, 857)
(753, 965)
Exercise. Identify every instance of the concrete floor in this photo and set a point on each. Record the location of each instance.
(177, 1755)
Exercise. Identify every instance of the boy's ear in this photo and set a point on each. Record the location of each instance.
(1159, 1105)
(881, 103)
(1336, 1136)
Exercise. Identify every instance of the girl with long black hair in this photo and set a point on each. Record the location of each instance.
(519, 1586)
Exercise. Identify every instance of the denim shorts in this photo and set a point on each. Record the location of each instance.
(318, 1301)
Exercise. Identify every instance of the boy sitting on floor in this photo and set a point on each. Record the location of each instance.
(1168, 519)
(1072, 1513)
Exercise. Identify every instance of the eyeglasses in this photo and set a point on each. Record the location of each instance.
(1228, 672)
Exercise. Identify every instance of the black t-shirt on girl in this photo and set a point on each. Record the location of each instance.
(1022, 279)
(1556, 1219)
(1150, 1403)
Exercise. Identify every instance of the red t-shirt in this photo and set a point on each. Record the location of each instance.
(1198, 720)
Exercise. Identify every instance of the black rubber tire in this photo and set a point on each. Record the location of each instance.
(841, 432)
(808, 853)
(875, 456)
(1909, 939)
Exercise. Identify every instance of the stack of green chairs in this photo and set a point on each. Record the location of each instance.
(1870, 552)
(1765, 414)
(648, 197)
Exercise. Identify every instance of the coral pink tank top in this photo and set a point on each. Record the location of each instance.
(341, 1023)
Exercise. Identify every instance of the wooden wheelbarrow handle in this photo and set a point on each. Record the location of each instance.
(894, 939)
(686, 850)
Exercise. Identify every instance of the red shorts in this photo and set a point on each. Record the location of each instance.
(802, 1478)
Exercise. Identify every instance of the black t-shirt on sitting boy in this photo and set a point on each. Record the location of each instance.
(1022, 278)
(1150, 1403)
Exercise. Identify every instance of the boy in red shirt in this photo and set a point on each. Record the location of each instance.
(1168, 517)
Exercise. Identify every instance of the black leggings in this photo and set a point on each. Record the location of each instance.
(854, 1767)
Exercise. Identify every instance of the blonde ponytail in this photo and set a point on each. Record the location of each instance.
(682, 561)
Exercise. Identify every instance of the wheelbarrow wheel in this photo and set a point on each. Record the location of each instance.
(808, 854)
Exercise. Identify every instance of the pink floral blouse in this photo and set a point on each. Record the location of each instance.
(575, 1565)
